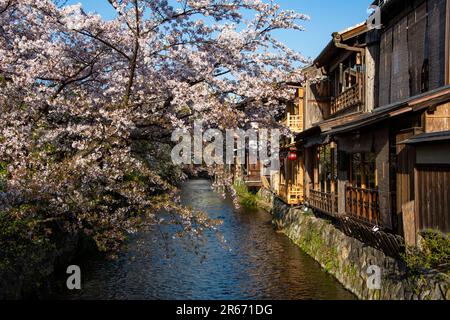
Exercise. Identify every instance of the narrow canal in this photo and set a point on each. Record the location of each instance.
(258, 263)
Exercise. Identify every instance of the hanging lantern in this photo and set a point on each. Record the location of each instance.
(292, 156)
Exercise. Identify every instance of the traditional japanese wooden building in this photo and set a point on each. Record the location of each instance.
(377, 168)
(337, 92)
(430, 180)
(291, 173)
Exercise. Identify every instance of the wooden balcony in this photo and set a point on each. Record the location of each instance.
(291, 194)
(363, 204)
(351, 97)
(294, 122)
(323, 201)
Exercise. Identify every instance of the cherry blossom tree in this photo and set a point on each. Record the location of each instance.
(88, 105)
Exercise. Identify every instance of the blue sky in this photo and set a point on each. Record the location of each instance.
(327, 16)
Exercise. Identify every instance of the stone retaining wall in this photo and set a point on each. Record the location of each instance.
(349, 259)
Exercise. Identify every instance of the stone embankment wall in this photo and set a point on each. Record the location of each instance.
(352, 262)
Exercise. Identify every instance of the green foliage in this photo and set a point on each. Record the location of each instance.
(315, 245)
(246, 198)
(3, 175)
(434, 254)
(351, 270)
(135, 177)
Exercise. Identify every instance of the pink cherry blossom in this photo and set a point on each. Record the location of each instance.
(88, 105)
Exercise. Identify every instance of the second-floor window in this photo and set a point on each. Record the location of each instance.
(347, 83)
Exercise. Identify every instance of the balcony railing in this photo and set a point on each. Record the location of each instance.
(294, 122)
(323, 201)
(351, 97)
(363, 204)
(253, 181)
(265, 182)
(291, 194)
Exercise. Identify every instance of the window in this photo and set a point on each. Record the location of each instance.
(325, 177)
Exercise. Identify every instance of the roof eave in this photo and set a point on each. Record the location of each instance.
(431, 137)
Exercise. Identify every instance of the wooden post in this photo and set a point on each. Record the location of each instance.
(301, 178)
(343, 171)
(333, 171)
(382, 163)
(409, 224)
(316, 169)
(301, 109)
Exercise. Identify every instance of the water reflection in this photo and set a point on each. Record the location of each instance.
(260, 264)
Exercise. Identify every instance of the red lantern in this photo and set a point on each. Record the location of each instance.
(292, 156)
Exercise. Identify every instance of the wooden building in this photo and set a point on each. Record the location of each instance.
(413, 94)
(376, 107)
(338, 90)
(430, 182)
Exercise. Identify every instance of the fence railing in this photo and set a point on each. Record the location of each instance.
(323, 201)
(363, 204)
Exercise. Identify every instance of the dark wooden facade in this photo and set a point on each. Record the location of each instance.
(367, 95)
(432, 180)
(433, 197)
(412, 49)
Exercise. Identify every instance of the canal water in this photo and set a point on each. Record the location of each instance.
(255, 263)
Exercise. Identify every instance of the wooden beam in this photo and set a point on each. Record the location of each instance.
(409, 224)
(447, 44)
